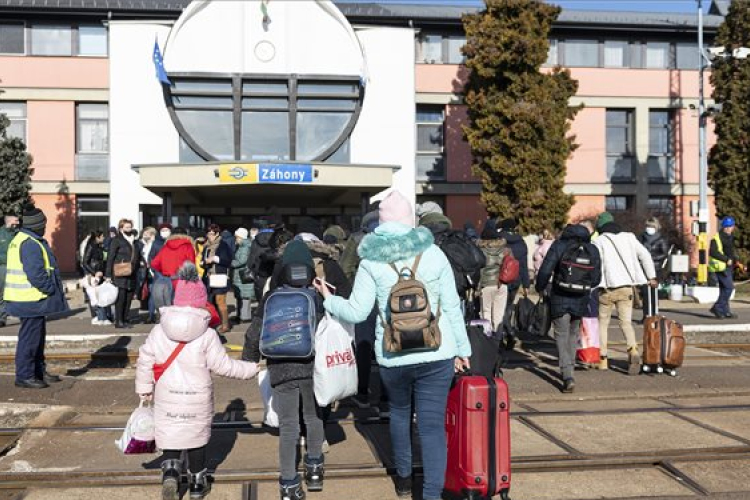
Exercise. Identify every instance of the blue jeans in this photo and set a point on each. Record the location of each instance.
(30, 349)
(103, 313)
(726, 287)
(429, 384)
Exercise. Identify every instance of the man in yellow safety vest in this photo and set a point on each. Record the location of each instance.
(33, 291)
(722, 261)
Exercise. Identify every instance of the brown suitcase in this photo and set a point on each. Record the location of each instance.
(663, 342)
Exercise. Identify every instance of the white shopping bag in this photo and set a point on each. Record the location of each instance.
(106, 294)
(335, 375)
(139, 434)
(270, 417)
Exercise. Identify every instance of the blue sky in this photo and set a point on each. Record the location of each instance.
(621, 5)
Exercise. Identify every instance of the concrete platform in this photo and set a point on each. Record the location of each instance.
(723, 476)
(219, 492)
(645, 432)
(733, 422)
(526, 442)
(596, 484)
(597, 405)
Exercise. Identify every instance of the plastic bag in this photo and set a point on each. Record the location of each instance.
(139, 434)
(335, 373)
(270, 417)
(588, 341)
(106, 294)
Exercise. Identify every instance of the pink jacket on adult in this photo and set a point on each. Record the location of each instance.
(541, 253)
(184, 399)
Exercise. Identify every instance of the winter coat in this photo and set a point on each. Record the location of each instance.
(156, 247)
(222, 267)
(394, 242)
(494, 251)
(6, 236)
(176, 251)
(228, 238)
(561, 301)
(241, 256)
(93, 259)
(349, 260)
(438, 224)
(657, 246)
(615, 274)
(323, 254)
(48, 283)
(121, 250)
(183, 398)
(540, 253)
(262, 260)
(521, 253)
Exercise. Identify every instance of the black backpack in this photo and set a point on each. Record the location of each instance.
(576, 269)
(465, 257)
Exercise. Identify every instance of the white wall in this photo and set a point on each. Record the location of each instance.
(385, 133)
(141, 131)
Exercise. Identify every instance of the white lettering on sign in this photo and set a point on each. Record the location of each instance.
(284, 174)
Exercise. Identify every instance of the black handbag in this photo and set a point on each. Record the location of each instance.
(247, 275)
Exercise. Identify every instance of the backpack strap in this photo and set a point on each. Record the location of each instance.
(417, 260)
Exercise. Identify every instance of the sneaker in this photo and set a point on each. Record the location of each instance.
(716, 313)
(200, 484)
(95, 322)
(291, 490)
(170, 480)
(634, 361)
(314, 472)
(604, 363)
(105, 322)
(568, 385)
(326, 447)
(403, 486)
(384, 410)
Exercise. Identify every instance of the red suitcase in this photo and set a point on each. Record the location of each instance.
(478, 427)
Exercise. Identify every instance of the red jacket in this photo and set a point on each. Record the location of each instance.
(170, 258)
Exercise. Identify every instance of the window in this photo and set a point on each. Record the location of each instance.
(16, 113)
(552, 56)
(430, 161)
(93, 215)
(276, 119)
(431, 49)
(661, 146)
(51, 40)
(581, 53)
(616, 54)
(661, 205)
(687, 56)
(618, 203)
(92, 145)
(454, 49)
(12, 38)
(657, 55)
(92, 41)
(620, 145)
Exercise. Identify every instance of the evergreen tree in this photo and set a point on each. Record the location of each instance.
(729, 161)
(519, 117)
(15, 172)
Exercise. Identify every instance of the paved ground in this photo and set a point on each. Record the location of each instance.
(616, 437)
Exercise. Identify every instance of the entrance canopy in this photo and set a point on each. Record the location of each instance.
(234, 184)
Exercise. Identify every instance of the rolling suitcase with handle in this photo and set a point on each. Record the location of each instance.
(478, 428)
(663, 340)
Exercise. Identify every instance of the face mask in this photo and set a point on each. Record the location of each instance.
(165, 234)
(129, 233)
(651, 230)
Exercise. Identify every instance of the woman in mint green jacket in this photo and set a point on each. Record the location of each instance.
(425, 375)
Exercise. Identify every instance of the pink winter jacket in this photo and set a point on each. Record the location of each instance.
(184, 399)
(541, 253)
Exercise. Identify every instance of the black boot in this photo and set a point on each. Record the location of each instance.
(291, 490)
(170, 479)
(200, 484)
(314, 473)
(403, 486)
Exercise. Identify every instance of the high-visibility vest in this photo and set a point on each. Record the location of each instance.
(17, 285)
(715, 265)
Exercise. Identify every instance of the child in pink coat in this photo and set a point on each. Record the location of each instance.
(541, 251)
(183, 396)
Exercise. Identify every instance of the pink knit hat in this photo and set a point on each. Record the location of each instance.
(396, 208)
(190, 294)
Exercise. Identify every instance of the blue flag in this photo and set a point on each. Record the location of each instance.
(161, 73)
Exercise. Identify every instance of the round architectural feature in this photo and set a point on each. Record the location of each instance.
(265, 51)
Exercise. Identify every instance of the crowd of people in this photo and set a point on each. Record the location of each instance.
(588, 269)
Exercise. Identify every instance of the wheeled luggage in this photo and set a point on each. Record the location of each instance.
(663, 340)
(478, 428)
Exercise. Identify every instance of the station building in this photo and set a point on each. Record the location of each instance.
(214, 111)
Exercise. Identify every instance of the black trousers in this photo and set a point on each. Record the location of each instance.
(30, 349)
(122, 305)
(196, 458)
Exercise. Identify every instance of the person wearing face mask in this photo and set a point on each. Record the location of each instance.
(33, 291)
(217, 262)
(164, 231)
(658, 247)
(123, 260)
